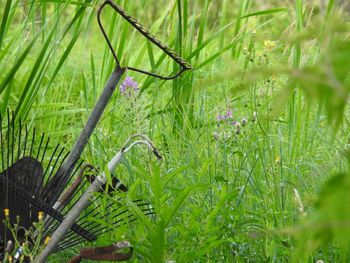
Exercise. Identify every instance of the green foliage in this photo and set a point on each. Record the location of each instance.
(225, 191)
(327, 80)
(46, 50)
(329, 222)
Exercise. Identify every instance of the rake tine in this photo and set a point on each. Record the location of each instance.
(19, 139)
(41, 142)
(2, 145)
(31, 146)
(13, 139)
(84, 201)
(78, 240)
(25, 140)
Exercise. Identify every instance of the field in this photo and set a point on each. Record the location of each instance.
(255, 138)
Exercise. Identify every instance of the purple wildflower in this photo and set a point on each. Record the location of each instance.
(229, 114)
(220, 117)
(128, 86)
(224, 117)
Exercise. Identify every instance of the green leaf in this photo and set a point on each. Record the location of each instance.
(182, 196)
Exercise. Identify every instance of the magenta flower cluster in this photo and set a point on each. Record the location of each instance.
(128, 87)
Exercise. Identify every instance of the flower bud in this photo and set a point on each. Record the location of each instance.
(254, 116)
(41, 215)
(47, 240)
(7, 213)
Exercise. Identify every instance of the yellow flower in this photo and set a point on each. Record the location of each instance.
(7, 212)
(278, 160)
(269, 45)
(40, 216)
(47, 240)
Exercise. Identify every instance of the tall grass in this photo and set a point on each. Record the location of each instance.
(218, 196)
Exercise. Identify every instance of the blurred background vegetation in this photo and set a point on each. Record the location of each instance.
(267, 181)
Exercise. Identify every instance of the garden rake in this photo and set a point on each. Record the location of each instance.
(31, 162)
(37, 178)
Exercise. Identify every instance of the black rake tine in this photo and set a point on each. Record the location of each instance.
(41, 142)
(67, 178)
(72, 242)
(86, 224)
(32, 144)
(48, 166)
(48, 186)
(45, 149)
(19, 139)
(51, 158)
(47, 209)
(2, 144)
(101, 230)
(25, 140)
(8, 155)
(93, 229)
(107, 215)
(13, 139)
(55, 164)
(108, 206)
(41, 183)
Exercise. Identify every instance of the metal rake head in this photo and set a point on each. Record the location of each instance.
(140, 28)
(27, 163)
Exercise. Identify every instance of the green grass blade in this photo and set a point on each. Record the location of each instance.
(181, 198)
(4, 21)
(266, 12)
(17, 65)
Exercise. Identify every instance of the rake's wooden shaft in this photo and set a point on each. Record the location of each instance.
(87, 131)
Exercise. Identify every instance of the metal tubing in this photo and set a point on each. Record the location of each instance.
(94, 118)
(87, 131)
(75, 212)
(69, 220)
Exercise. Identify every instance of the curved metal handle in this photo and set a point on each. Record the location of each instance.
(140, 28)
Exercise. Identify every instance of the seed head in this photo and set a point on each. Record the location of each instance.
(299, 202)
(238, 128)
(238, 125)
(254, 116)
